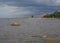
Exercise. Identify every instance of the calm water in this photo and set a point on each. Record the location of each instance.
(28, 28)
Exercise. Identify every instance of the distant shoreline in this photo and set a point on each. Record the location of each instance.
(29, 18)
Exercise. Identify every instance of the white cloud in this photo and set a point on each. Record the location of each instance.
(48, 2)
(13, 11)
(57, 2)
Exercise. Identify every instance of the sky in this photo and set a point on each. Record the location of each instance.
(26, 8)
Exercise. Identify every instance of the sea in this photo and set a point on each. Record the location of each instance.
(28, 27)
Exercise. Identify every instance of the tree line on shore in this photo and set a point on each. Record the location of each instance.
(56, 14)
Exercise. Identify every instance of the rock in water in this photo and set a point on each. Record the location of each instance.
(45, 36)
(15, 24)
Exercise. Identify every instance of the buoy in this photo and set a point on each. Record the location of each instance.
(15, 24)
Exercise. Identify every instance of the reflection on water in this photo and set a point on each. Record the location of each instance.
(29, 27)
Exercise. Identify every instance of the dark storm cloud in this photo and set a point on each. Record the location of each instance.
(13, 8)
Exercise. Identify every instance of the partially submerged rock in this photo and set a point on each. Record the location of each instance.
(15, 24)
(44, 36)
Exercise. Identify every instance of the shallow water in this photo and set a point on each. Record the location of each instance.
(28, 28)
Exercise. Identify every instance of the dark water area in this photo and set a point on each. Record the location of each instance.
(28, 28)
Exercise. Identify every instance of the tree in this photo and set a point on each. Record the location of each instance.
(53, 15)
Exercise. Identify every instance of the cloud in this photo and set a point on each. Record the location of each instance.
(49, 2)
(18, 8)
(32, 2)
(58, 2)
(13, 11)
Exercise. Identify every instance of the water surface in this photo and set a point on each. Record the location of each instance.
(28, 28)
